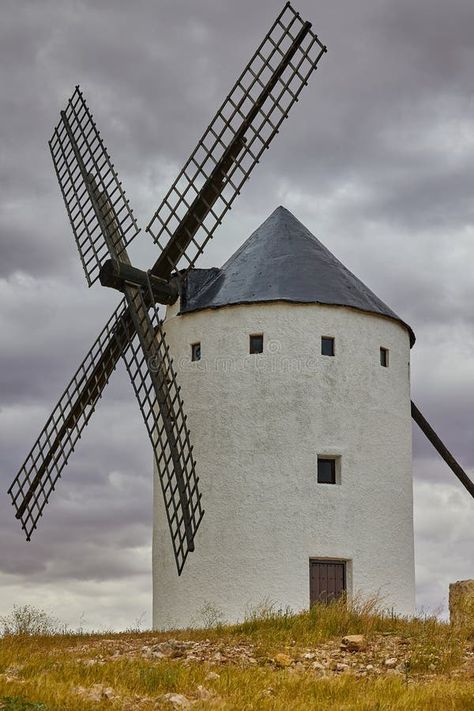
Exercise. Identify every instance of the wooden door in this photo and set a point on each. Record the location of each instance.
(327, 580)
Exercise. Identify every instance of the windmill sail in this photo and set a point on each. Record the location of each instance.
(242, 129)
(151, 372)
(82, 164)
(36, 480)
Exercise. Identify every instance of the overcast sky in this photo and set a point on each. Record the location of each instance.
(377, 160)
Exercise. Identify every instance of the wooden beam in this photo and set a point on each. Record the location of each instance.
(442, 450)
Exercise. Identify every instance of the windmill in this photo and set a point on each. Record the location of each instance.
(103, 225)
(300, 374)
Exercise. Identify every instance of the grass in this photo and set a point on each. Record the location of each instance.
(81, 672)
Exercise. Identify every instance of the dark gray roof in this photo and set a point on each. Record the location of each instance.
(281, 261)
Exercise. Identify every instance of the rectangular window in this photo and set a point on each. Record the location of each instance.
(256, 343)
(384, 357)
(327, 346)
(195, 351)
(328, 470)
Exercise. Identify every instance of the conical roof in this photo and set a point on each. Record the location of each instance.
(281, 261)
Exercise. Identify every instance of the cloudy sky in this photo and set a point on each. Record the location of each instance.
(377, 159)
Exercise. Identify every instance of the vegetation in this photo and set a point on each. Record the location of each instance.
(274, 660)
(30, 620)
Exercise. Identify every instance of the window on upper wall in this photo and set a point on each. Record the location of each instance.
(256, 343)
(195, 351)
(384, 357)
(327, 345)
(327, 470)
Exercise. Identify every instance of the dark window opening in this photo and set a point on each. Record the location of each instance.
(326, 470)
(256, 343)
(384, 357)
(327, 346)
(195, 351)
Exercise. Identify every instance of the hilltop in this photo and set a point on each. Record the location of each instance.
(272, 661)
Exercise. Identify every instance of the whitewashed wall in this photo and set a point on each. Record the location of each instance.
(258, 423)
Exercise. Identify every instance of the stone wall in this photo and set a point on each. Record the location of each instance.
(461, 602)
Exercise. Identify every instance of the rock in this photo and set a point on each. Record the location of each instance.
(169, 648)
(309, 655)
(155, 652)
(355, 642)
(283, 660)
(369, 667)
(176, 700)
(212, 676)
(298, 667)
(203, 693)
(340, 667)
(318, 666)
(461, 603)
(96, 692)
(14, 669)
(391, 663)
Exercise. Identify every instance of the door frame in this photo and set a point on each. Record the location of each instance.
(347, 572)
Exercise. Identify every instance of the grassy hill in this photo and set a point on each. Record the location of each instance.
(272, 661)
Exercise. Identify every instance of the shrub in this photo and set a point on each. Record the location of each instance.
(210, 616)
(30, 620)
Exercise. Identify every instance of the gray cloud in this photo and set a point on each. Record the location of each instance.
(377, 160)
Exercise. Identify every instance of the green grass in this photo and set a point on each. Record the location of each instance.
(64, 672)
(15, 703)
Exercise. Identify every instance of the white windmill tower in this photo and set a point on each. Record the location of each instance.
(296, 382)
(296, 379)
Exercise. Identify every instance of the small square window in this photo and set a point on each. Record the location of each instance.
(256, 343)
(327, 346)
(384, 357)
(326, 470)
(195, 351)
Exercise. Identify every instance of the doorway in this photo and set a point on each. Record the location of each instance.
(327, 580)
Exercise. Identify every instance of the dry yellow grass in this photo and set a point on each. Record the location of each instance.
(434, 666)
